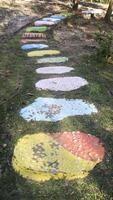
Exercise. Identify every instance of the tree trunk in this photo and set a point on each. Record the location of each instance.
(109, 11)
(74, 5)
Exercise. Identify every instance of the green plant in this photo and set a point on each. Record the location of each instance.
(104, 40)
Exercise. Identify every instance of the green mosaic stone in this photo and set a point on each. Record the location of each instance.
(37, 29)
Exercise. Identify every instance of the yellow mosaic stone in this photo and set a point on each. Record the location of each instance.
(42, 53)
(39, 157)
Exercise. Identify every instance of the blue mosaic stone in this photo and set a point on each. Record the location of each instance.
(34, 46)
(52, 109)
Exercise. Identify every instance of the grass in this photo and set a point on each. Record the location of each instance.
(17, 90)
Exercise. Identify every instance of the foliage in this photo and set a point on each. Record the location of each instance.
(104, 40)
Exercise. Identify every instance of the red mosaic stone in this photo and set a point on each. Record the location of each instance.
(33, 35)
(25, 41)
(82, 145)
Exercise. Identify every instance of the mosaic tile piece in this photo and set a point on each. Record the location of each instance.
(37, 29)
(51, 19)
(41, 23)
(57, 17)
(61, 83)
(34, 35)
(53, 110)
(25, 41)
(54, 70)
(42, 53)
(52, 60)
(40, 157)
(34, 46)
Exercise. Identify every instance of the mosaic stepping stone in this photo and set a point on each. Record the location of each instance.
(42, 53)
(41, 23)
(92, 11)
(34, 46)
(53, 110)
(61, 83)
(52, 60)
(51, 19)
(54, 70)
(41, 157)
(37, 29)
(33, 35)
(25, 41)
(58, 17)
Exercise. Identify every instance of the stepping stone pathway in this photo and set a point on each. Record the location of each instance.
(54, 70)
(61, 83)
(52, 109)
(66, 155)
(34, 46)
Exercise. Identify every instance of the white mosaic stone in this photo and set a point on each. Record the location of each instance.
(54, 70)
(61, 83)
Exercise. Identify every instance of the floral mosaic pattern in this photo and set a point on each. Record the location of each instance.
(53, 110)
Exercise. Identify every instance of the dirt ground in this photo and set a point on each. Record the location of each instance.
(15, 14)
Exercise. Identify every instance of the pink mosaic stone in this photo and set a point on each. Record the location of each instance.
(25, 41)
(41, 23)
(61, 83)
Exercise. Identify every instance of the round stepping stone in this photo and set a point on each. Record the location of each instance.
(25, 41)
(58, 17)
(52, 60)
(34, 46)
(33, 35)
(41, 23)
(54, 70)
(40, 157)
(52, 109)
(37, 29)
(61, 83)
(51, 19)
(42, 53)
